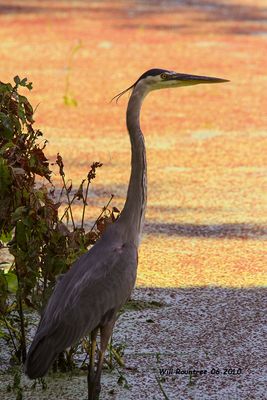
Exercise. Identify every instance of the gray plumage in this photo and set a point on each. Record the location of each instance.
(95, 288)
(90, 294)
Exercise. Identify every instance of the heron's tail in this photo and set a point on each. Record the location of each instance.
(40, 357)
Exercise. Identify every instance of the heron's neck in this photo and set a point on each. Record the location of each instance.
(133, 213)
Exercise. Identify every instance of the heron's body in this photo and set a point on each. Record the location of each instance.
(86, 297)
(89, 295)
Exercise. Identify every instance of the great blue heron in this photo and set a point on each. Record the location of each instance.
(88, 297)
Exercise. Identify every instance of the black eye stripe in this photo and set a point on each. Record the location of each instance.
(151, 72)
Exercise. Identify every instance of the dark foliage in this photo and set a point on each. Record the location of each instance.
(42, 243)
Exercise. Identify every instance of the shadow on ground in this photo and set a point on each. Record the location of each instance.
(241, 16)
(213, 231)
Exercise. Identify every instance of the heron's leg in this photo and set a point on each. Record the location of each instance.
(91, 366)
(105, 334)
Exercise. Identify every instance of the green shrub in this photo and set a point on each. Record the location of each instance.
(42, 243)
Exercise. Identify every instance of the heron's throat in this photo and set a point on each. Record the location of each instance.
(135, 206)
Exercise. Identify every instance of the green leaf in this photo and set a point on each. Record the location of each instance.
(5, 87)
(23, 99)
(6, 237)
(3, 282)
(5, 147)
(2, 115)
(29, 86)
(7, 127)
(21, 115)
(21, 235)
(27, 221)
(23, 82)
(17, 80)
(19, 213)
(12, 282)
(2, 334)
(70, 101)
(5, 178)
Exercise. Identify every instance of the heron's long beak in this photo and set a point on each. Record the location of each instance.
(186, 79)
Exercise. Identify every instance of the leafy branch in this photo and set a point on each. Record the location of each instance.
(41, 243)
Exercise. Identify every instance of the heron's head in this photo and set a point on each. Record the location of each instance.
(155, 79)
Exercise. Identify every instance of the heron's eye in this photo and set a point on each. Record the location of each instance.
(163, 76)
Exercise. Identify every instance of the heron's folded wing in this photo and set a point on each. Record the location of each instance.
(99, 282)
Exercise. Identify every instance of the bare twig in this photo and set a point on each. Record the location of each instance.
(68, 208)
(21, 317)
(102, 212)
(161, 389)
(59, 162)
(85, 201)
(69, 202)
(9, 328)
(90, 177)
(117, 357)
